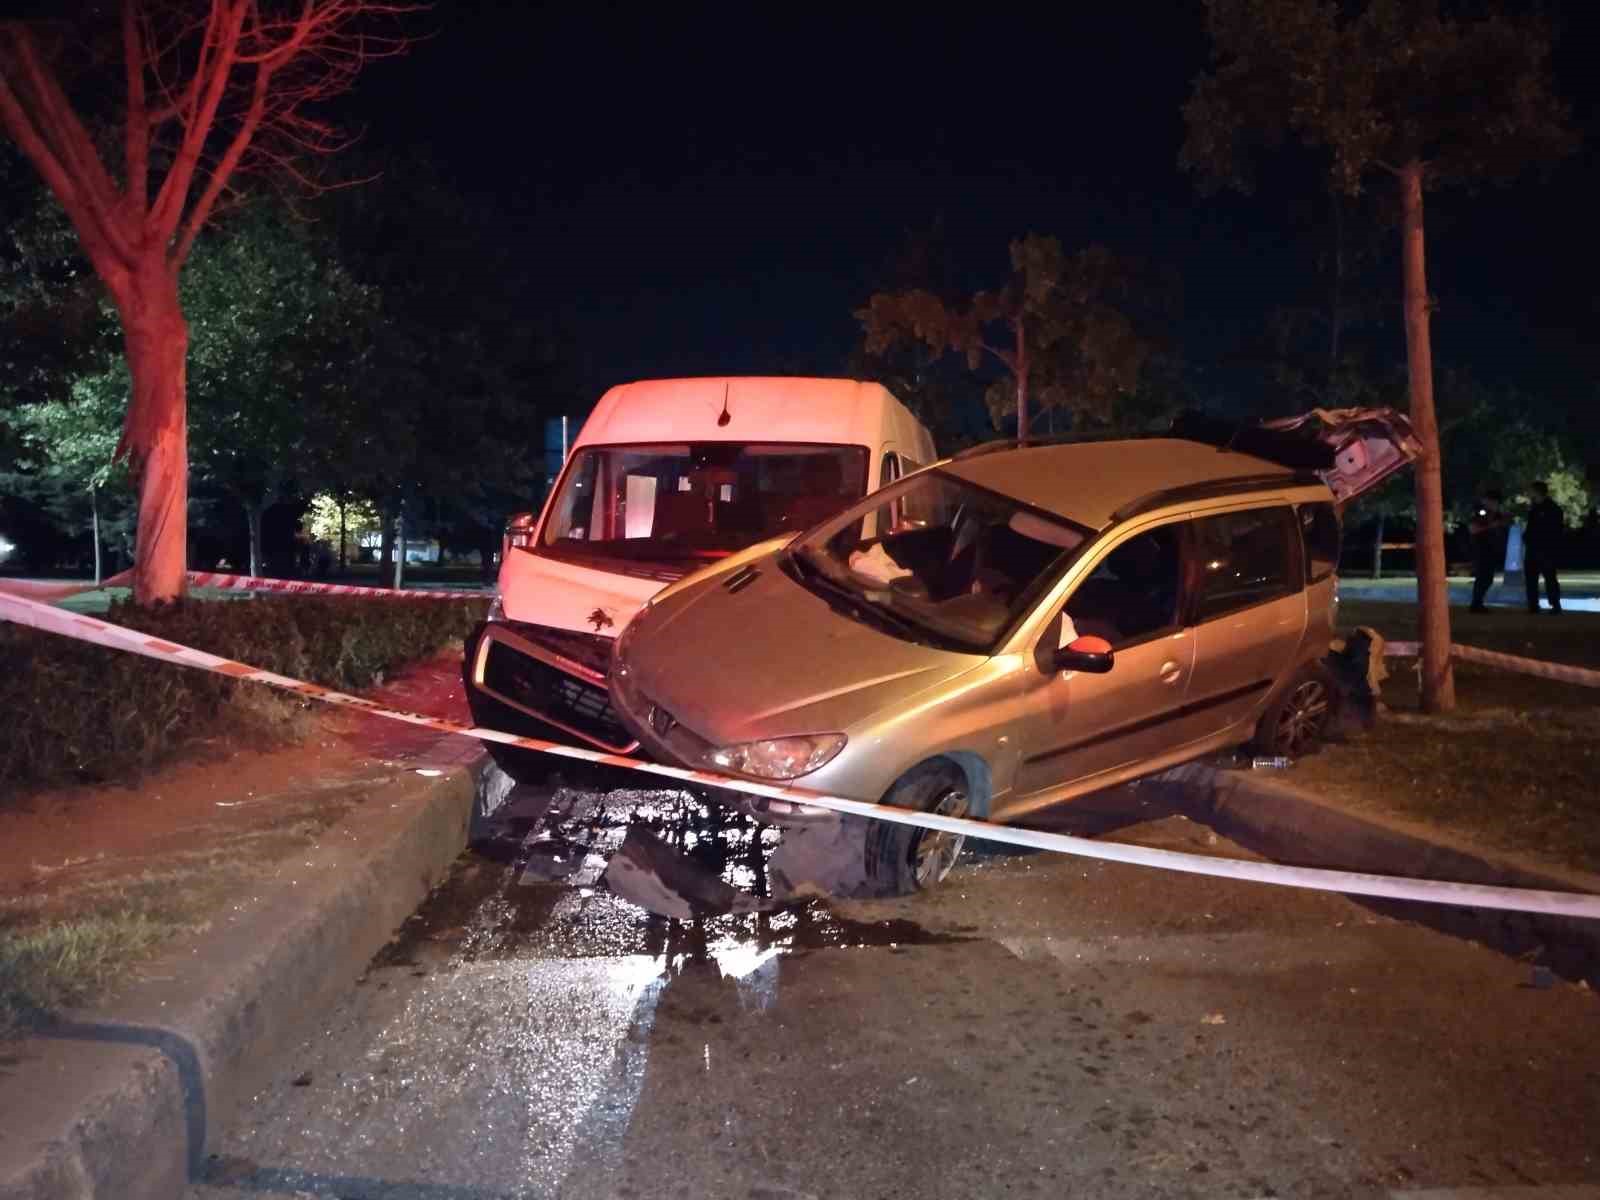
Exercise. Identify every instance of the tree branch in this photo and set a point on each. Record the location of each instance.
(1004, 356)
(72, 147)
(201, 211)
(136, 123)
(219, 64)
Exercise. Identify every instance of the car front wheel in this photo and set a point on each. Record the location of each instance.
(901, 859)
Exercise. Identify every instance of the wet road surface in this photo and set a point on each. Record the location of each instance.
(1040, 1025)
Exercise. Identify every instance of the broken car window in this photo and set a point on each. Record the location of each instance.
(964, 566)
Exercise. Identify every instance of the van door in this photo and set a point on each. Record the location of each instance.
(1248, 609)
(1078, 724)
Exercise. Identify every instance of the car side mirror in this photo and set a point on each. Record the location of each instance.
(1087, 653)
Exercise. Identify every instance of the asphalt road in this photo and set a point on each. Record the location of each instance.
(1041, 1026)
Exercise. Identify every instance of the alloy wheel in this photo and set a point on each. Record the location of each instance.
(1304, 714)
(936, 851)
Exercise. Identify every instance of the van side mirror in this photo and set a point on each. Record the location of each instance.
(1087, 653)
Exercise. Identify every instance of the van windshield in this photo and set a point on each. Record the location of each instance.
(675, 502)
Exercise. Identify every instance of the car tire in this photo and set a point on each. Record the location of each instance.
(901, 859)
(1300, 716)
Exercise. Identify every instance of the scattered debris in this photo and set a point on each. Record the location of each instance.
(1213, 1019)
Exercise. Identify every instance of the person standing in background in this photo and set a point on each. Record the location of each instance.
(1541, 543)
(1488, 529)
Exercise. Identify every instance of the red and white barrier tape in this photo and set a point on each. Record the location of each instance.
(1389, 887)
(1560, 672)
(35, 590)
(307, 587)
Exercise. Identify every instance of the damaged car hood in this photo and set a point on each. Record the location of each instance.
(753, 654)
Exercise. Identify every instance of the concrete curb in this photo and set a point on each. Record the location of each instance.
(120, 1103)
(1280, 821)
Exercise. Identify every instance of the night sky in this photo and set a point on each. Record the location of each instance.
(708, 190)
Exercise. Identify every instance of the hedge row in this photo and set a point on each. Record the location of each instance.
(74, 712)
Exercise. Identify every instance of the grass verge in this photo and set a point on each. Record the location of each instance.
(1513, 768)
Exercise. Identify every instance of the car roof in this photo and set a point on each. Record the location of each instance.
(1097, 483)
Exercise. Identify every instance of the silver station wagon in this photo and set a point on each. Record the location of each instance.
(1018, 626)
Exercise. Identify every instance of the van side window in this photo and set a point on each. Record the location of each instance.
(1319, 525)
(1244, 558)
(887, 474)
(1133, 592)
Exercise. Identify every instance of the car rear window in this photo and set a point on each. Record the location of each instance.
(1319, 526)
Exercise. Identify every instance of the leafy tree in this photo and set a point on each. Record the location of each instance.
(1054, 328)
(66, 462)
(448, 419)
(1397, 88)
(206, 89)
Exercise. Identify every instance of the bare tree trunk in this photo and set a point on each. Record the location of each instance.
(343, 536)
(1433, 600)
(1022, 381)
(157, 340)
(386, 546)
(94, 528)
(400, 558)
(1377, 550)
(252, 518)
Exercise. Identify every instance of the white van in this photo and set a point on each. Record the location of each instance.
(665, 477)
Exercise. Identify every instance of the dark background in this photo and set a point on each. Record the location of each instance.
(706, 190)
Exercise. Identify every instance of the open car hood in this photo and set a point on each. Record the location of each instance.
(1352, 450)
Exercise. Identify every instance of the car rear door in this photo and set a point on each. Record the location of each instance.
(1248, 609)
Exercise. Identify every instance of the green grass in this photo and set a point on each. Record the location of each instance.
(1514, 767)
(64, 963)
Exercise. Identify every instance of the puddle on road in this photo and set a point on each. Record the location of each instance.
(535, 889)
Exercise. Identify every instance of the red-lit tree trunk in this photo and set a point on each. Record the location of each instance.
(1433, 600)
(156, 338)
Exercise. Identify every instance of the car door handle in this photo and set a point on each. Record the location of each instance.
(1171, 672)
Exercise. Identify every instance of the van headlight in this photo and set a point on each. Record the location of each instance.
(778, 758)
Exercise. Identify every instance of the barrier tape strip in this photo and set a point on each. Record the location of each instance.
(1389, 887)
(307, 587)
(1561, 672)
(35, 590)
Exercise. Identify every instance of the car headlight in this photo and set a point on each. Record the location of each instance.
(778, 758)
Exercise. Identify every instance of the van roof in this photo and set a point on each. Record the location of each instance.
(1089, 482)
(838, 411)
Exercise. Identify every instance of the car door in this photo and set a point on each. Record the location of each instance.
(1248, 609)
(1078, 724)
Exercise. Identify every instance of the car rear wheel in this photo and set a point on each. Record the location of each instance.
(901, 859)
(1297, 721)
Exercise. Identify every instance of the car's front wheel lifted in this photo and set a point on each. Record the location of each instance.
(1296, 722)
(901, 859)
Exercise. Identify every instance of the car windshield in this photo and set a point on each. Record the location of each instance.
(668, 502)
(938, 557)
